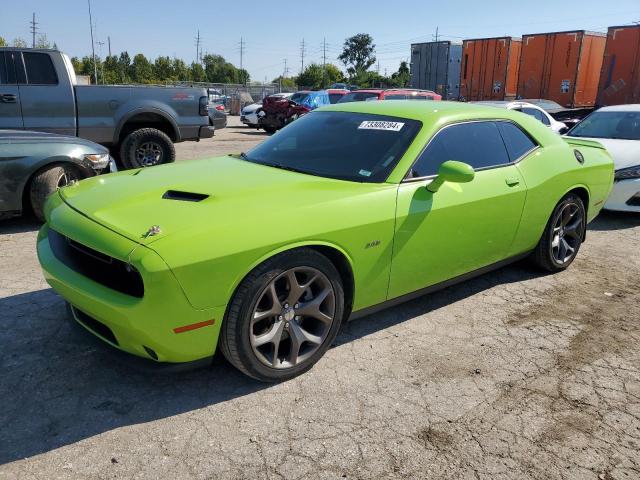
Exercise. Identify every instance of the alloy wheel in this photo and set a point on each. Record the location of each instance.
(567, 233)
(292, 317)
(149, 154)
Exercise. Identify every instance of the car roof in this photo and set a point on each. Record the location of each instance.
(634, 107)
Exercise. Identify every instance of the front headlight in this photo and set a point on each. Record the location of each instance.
(628, 173)
(97, 160)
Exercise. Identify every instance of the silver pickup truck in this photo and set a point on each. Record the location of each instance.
(139, 124)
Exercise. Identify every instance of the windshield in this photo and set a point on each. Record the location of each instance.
(618, 125)
(299, 97)
(359, 147)
(358, 97)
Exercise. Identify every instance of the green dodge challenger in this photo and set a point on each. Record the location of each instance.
(349, 209)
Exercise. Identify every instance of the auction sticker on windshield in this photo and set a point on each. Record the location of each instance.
(381, 125)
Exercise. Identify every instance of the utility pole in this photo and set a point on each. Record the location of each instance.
(242, 47)
(93, 48)
(436, 37)
(34, 29)
(302, 52)
(324, 60)
(198, 41)
(100, 44)
(109, 43)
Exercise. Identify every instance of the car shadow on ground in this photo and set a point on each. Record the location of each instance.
(60, 385)
(610, 220)
(19, 225)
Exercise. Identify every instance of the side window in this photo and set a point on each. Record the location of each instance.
(39, 68)
(518, 143)
(477, 143)
(3, 70)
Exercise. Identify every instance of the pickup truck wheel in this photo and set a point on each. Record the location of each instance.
(145, 148)
(46, 182)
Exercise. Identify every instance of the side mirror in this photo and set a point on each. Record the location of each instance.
(563, 130)
(452, 171)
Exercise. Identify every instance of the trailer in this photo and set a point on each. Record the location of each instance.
(436, 66)
(489, 69)
(620, 74)
(561, 66)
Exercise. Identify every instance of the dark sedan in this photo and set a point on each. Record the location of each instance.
(217, 116)
(34, 164)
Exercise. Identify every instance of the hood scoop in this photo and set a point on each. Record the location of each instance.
(184, 196)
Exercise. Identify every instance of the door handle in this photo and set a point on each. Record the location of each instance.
(512, 181)
(8, 98)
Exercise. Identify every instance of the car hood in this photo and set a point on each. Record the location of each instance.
(216, 195)
(625, 153)
(25, 136)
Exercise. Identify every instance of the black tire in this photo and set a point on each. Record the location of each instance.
(146, 147)
(46, 182)
(270, 130)
(235, 334)
(543, 256)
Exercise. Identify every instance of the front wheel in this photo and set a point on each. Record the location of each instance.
(284, 316)
(146, 147)
(46, 182)
(562, 236)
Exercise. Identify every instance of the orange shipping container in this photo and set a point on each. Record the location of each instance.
(561, 66)
(620, 75)
(489, 69)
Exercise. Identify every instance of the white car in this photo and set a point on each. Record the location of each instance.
(529, 109)
(249, 114)
(618, 129)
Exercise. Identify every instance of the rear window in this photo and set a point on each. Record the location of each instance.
(40, 70)
(299, 97)
(358, 97)
(359, 147)
(334, 97)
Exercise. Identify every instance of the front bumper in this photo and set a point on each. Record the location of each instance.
(206, 131)
(625, 196)
(145, 326)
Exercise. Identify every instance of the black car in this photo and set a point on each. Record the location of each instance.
(34, 164)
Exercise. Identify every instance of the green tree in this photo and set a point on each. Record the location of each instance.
(124, 65)
(197, 73)
(402, 77)
(315, 76)
(163, 69)
(3, 42)
(358, 53)
(42, 41)
(285, 82)
(180, 70)
(111, 73)
(141, 70)
(19, 43)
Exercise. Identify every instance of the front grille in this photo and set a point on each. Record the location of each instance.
(103, 269)
(95, 326)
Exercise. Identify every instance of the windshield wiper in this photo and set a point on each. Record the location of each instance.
(287, 167)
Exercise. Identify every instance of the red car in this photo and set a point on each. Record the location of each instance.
(335, 94)
(389, 94)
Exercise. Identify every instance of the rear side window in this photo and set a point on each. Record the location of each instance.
(39, 68)
(395, 96)
(536, 114)
(518, 143)
(477, 143)
(334, 97)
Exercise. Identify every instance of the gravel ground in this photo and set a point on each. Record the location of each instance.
(513, 375)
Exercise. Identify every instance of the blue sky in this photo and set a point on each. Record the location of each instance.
(273, 30)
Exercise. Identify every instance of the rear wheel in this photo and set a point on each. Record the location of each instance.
(284, 316)
(48, 181)
(146, 147)
(562, 236)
